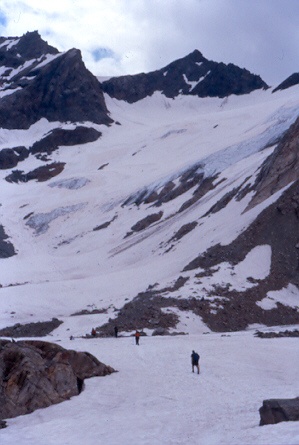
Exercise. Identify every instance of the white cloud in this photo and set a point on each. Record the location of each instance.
(143, 35)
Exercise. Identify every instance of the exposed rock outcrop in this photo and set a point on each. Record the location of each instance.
(147, 221)
(40, 174)
(192, 75)
(6, 247)
(280, 169)
(63, 137)
(15, 51)
(279, 410)
(60, 90)
(38, 329)
(10, 157)
(280, 334)
(36, 374)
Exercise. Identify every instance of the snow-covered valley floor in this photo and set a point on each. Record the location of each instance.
(155, 399)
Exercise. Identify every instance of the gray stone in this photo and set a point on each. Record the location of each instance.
(279, 410)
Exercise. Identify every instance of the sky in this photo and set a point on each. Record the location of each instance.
(131, 36)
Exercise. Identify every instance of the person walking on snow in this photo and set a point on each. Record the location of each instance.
(137, 336)
(194, 361)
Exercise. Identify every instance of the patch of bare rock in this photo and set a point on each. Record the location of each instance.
(279, 410)
(37, 374)
(280, 334)
(38, 329)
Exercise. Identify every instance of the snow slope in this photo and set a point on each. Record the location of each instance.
(158, 138)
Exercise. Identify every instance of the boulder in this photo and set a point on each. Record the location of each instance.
(279, 410)
(37, 374)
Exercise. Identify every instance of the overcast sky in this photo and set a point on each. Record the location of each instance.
(130, 36)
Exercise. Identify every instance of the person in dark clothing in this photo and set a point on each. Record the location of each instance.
(137, 336)
(194, 361)
(115, 331)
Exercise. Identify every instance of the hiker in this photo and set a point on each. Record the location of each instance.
(137, 336)
(115, 331)
(93, 332)
(194, 361)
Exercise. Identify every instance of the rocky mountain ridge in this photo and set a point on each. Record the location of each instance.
(42, 83)
(192, 75)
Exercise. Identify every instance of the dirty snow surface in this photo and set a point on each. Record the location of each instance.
(66, 264)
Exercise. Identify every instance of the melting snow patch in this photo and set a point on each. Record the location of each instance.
(288, 296)
(40, 223)
(71, 184)
(255, 266)
(189, 323)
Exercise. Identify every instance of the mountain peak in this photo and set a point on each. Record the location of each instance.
(14, 51)
(290, 81)
(39, 82)
(191, 75)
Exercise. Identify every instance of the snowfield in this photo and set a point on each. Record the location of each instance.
(155, 399)
(64, 265)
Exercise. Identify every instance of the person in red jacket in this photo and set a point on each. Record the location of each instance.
(137, 336)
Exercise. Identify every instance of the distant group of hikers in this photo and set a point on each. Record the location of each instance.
(194, 356)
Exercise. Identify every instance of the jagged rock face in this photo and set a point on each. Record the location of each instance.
(60, 90)
(191, 75)
(281, 168)
(36, 374)
(292, 80)
(15, 51)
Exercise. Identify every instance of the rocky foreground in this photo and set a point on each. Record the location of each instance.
(36, 374)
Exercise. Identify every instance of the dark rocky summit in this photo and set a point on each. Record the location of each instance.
(192, 75)
(60, 90)
(26, 48)
(279, 410)
(36, 374)
(292, 80)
